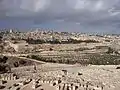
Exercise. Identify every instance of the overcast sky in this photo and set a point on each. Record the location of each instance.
(64, 15)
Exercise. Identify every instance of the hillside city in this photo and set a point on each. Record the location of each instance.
(50, 60)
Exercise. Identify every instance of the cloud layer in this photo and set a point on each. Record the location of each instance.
(85, 15)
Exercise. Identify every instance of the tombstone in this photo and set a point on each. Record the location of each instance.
(68, 88)
(15, 76)
(33, 85)
(56, 81)
(47, 82)
(11, 77)
(51, 83)
(86, 85)
(59, 87)
(3, 77)
(73, 87)
(63, 87)
(8, 78)
(41, 81)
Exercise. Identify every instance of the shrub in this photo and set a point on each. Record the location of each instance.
(22, 62)
(4, 81)
(32, 41)
(106, 59)
(16, 64)
(5, 68)
(81, 49)
(2, 87)
(110, 50)
(118, 68)
(80, 73)
(4, 59)
(51, 49)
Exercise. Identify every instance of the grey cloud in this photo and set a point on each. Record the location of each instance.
(89, 13)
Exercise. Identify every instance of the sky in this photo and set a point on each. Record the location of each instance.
(62, 15)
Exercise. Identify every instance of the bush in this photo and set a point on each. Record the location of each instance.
(4, 68)
(37, 57)
(110, 50)
(80, 74)
(22, 62)
(106, 59)
(51, 49)
(32, 41)
(16, 64)
(2, 87)
(94, 59)
(4, 59)
(81, 49)
(118, 68)
(4, 81)
(81, 41)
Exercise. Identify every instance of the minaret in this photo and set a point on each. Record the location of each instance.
(11, 31)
